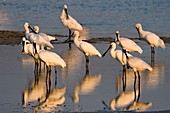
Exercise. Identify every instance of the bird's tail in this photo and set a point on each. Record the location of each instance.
(139, 50)
(98, 54)
(161, 44)
(149, 68)
(51, 37)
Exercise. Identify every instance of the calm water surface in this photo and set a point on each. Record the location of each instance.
(84, 91)
(102, 18)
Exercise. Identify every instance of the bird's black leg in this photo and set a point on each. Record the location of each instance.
(135, 85)
(152, 56)
(138, 86)
(69, 37)
(55, 76)
(124, 79)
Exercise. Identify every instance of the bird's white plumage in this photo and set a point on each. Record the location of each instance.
(28, 48)
(118, 54)
(69, 21)
(127, 44)
(51, 58)
(138, 64)
(47, 37)
(152, 38)
(87, 48)
(32, 37)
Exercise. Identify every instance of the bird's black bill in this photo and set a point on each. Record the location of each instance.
(117, 35)
(34, 44)
(106, 51)
(124, 51)
(138, 32)
(66, 14)
(32, 29)
(103, 102)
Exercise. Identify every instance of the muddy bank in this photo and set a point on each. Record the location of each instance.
(14, 37)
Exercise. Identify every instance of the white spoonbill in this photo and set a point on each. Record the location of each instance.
(85, 47)
(34, 37)
(50, 58)
(151, 38)
(69, 22)
(117, 54)
(27, 48)
(127, 44)
(47, 37)
(137, 64)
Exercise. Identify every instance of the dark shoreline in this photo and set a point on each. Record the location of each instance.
(14, 38)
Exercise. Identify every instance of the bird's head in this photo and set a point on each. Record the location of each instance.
(117, 38)
(65, 6)
(138, 27)
(26, 25)
(36, 29)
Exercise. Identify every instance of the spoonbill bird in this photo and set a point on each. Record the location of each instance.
(117, 54)
(151, 38)
(127, 44)
(85, 47)
(50, 58)
(34, 37)
(69, 22)
(137, 64)
(27, 47)
(47, 37)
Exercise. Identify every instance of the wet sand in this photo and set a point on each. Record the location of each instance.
(17, 75)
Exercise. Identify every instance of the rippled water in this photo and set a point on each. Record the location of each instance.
(101, 17)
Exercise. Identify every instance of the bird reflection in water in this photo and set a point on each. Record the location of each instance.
(41, 93)
(155, 77)
(87, 85)
(138, 105)
(129, 99)
(36, 89)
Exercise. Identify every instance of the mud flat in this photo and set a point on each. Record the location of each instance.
(14, 37)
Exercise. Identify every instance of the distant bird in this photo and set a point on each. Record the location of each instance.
(36, 38)
(69, 22)
(50, 58)
(152, 39)
(117, 54)
(127, 44)
(137, 64)
(85, 47)
(47, 37)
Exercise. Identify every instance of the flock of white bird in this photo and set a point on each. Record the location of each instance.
(37, 45)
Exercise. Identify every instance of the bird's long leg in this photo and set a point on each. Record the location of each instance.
(55, 76)
(152, 56)
(87, 64)
(134, 86)
(69, 36)
(138, 86)
(124, 79)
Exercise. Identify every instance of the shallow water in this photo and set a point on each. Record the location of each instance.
(101, 18)
(104, 81)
